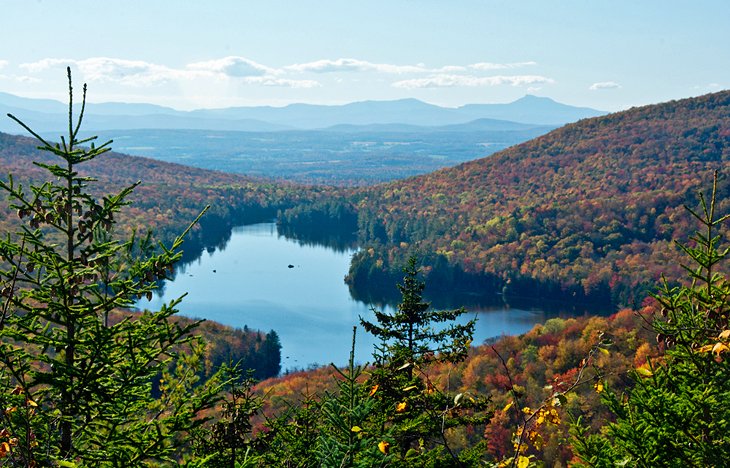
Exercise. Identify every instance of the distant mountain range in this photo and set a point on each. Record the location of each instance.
(47, 115)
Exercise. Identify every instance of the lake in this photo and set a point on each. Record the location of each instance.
(249, 282)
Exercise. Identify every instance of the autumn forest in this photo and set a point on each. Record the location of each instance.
(625, 214)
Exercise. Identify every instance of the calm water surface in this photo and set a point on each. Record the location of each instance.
(249, 282)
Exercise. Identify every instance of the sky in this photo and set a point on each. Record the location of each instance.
(189, 54)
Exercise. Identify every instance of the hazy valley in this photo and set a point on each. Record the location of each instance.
(353, 144)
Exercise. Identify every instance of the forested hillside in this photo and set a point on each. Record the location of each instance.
(546, 359)
(587, 212)
(170, 195)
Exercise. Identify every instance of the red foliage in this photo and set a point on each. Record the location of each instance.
(498, 434)
(593, 206)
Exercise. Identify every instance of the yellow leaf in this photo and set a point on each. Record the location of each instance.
(598, 386)
(705, 349)
(604, 351)
(523, 461)
(408, 389)
(373, 390)
(384, 447)
(356, 429)
(507, 406)
(401, 407)
(724, 335)
(527, 410)
(554, 416)
(538, 441)
(644, 371)
(719, 348)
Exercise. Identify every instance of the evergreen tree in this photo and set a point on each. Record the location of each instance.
(412, 333)
(227, 442)
(290, 439)
(678, 412)
(412, 414)
(344, 439)
(269, 364)
(77, 376)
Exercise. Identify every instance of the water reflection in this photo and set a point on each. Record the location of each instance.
(249, 282)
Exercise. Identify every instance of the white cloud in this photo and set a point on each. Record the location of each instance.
(131, 72)
(107, 69)
(350, 64)
(16, 78)
(450, 81)
(140, 73)
(45, 64)
(604, 85)
(283, 82)
(27, 79)
(236, 67)
(486, 66)
(248, 71)
(450, 69)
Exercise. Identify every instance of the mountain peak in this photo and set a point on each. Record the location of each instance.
(531, 98)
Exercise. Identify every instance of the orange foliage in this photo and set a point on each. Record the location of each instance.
(592, 208)
(548, 355)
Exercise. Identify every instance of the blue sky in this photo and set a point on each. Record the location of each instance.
(192, 54)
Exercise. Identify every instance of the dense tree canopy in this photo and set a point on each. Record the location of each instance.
(590, 209)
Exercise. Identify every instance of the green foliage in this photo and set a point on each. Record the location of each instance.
(227, 442)
(248, 349)
(332, 222)
(346, 439)
(677, 414)
(411, 413)
(290, 438)
(86, 377)
(410, 334)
